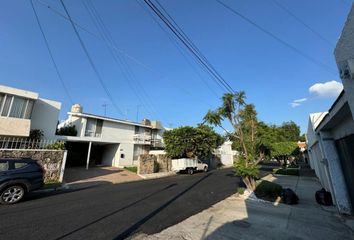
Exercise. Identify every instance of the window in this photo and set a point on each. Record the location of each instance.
(2, 99)
(99, 126)
(29, 108)
(18, 107)
(7, 105)
(90, 127)
(4, 166)
(20, 165)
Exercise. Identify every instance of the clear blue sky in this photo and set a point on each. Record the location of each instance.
(272, 75)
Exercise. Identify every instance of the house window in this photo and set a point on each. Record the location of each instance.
(93, 127)
(18, 107)
(6, 105)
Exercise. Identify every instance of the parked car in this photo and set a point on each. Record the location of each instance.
(18, 177)
(189, 165)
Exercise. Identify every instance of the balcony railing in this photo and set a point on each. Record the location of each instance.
(142, 139)
(89, 133)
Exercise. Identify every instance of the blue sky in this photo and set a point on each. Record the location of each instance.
(170, 86)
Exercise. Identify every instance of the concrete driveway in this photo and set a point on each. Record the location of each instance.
(80, 177)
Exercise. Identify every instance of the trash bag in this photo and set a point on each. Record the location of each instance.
(323, 197)
(289, 196)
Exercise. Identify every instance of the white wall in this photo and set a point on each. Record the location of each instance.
(45, 117)
(110, 154)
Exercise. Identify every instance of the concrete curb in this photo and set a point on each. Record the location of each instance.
(156, 175)
(64, 186)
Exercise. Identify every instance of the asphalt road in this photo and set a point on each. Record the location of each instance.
(115, 211)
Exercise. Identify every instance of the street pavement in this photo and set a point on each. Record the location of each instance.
(115, 211)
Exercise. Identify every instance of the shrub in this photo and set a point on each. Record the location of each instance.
(132, 169)
(58, 145)
(288, 171)
(241, 190)
(268, 190)
(243, 169)
(68, 130)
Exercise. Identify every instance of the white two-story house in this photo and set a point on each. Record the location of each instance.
(21, 111)
(101, 140)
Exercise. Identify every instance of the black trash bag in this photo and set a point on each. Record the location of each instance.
(323, 197)
(289, 196)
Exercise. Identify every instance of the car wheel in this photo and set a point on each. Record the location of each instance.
(12, 194)
(190, 171)
(205, 169)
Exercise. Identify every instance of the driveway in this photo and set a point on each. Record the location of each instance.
(80, 177)
(116, 211)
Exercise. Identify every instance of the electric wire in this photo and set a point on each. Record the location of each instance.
(119, 60)
(288, 45)
(91, 61)
(221, 81)
(285, 9)
(51, 54)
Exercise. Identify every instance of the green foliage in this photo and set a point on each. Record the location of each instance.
(244, 168)
(35, 134)
(191, 142)
(283, 149)
(268, 190)
(132, 169)
(58, 145)
(156, 167)
(288, 171)
(68, 130)
(241, 190)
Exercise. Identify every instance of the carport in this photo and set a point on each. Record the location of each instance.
(90, 153)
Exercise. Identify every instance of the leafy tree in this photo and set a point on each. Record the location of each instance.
(191, 142)
(68, 130)
(290, 131)
(282, 150)
(243, 118)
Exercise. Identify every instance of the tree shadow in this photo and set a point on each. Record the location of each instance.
(74, 174)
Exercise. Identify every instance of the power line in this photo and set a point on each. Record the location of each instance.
(125, 54)
(311, 59)
(221, 81)
(175, 42)
(51, 54)
(285, 9)
(91, 61)
(118, 60)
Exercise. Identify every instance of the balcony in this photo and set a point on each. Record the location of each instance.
(157, 143)
(142, 139)
(15, 127)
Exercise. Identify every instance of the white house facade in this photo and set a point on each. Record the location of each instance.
(330, 134)
(115, 142)
(21, 111)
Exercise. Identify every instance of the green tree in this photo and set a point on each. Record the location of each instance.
(243, 119)
(35, 134)
(283, 150)
(290, 131)
(191, 142)
(68, 130)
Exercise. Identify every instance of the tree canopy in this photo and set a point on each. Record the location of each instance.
(191, 142)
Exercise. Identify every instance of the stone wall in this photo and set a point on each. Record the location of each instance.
(53, 161)
(147, 164)
(164, 162)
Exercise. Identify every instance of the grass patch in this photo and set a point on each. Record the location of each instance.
(132, 169)
(268, 191)
(50, 185)
(287, 171)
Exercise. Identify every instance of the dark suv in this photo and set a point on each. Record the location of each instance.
(17, 177)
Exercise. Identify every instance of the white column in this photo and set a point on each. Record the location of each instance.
(335, 172)
(88, 155)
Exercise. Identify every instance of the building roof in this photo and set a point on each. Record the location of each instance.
(18, 92)
(108, 119)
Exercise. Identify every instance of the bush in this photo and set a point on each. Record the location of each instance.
(58, 145)
(288, 171)
(243, 169)
(68, 130)
(241, 190)
(132, 169)
(268, 190)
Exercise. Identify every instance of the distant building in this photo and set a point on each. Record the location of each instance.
(330, 135)
(108, 141)
(21, 111)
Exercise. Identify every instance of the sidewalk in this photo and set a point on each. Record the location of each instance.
(237, 218)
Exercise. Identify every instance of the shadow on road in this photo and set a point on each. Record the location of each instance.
(136, 226)
(116, 211)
